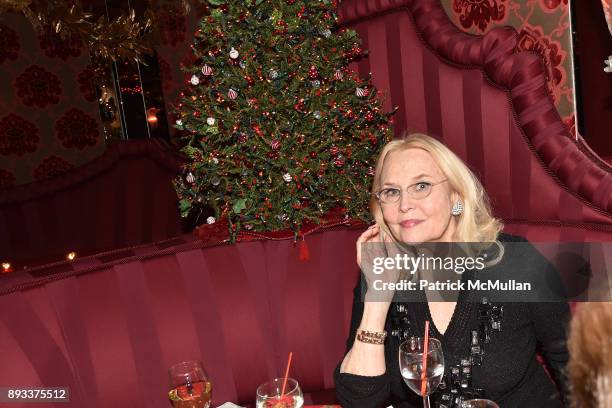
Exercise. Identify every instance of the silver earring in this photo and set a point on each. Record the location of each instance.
(457, 208)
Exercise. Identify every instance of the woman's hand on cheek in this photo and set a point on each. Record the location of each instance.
(376, 256)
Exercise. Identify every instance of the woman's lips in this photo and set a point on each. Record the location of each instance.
(410, 223)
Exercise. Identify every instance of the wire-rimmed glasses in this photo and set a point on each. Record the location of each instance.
(418, 191)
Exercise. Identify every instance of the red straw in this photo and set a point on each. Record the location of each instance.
(286, 375)
(424, 370)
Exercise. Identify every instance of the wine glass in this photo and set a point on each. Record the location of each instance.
(411, 366)
(479, 403)
(269, 394)
(190, 386)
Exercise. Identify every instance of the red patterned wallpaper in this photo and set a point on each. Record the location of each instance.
(49, 121)
(544, 28)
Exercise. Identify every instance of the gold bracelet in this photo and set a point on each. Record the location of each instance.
(366, 336)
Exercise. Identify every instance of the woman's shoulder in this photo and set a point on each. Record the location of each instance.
(523, 262)
(505, 237)
(518, 249)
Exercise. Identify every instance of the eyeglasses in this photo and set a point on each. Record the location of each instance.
(418, 191)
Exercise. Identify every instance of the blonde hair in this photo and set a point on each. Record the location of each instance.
(476, 223)
(590, 364)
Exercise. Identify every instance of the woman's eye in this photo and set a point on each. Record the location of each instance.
(392, 192)
(422, 186)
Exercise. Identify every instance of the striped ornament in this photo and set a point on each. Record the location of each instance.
(207, 70)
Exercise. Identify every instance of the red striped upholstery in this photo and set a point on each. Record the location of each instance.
(109, 329)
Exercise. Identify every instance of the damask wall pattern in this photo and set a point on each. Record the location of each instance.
(49, 120)
(543, 27)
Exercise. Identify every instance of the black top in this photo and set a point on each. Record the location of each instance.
(509, 373)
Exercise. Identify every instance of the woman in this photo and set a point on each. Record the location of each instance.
(422, 192)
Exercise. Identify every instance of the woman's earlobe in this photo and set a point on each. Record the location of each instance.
(457, 207)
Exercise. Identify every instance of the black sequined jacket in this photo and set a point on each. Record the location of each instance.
(490, 349)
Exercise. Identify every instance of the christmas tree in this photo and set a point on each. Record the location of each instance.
(277, 128)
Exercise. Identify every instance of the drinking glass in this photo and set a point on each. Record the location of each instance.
(269, 394)
(479, 403)
(190, 386)
(411, 366)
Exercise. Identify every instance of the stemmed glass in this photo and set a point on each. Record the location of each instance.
(411, 366)
(479, 403)
(190, 386)
(269, 394)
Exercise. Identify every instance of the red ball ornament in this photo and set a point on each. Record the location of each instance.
(312, 72)
(250, 80)
(256, 129)
(214, 52)
(299, 106)
(275, 145)
(334, 150)
(339, 161)
(313, 155)
(197, 114)
(232, 94)
(369, 116)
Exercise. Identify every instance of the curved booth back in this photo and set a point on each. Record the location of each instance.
(489, 102)
(122, 198)
(109, 326)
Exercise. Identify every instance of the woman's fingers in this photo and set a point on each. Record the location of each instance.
(368, 235)
(371, 231)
